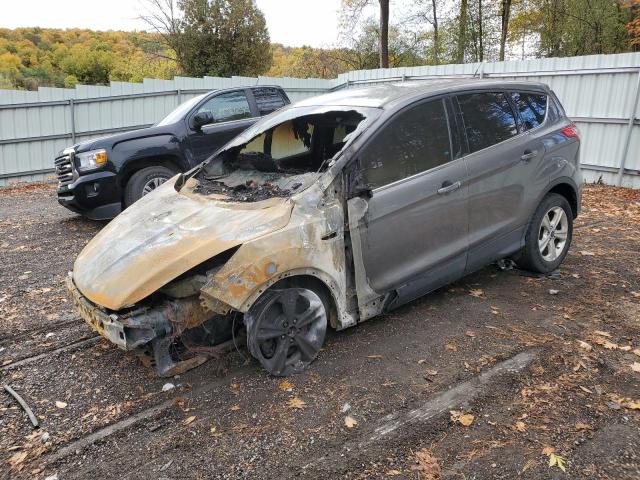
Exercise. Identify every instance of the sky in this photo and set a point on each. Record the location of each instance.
(290, 22)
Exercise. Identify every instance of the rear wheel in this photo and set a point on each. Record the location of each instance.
(286, 329)
(145, 181)
(549, 235)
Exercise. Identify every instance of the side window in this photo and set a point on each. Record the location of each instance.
(228, 106)
(414, 141)
(532, 108)
(268, 99)
(488, 119)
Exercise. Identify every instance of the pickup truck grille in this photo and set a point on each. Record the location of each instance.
(64, 168)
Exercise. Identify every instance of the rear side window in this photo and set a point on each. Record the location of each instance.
(414, 141)
(488, 119)
(268, 99)
(532, 108)
(228, 106)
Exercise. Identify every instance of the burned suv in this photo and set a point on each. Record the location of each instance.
(330, 212)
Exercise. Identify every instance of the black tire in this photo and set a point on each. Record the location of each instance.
(286, 328)
(135, 188)
(531, 257)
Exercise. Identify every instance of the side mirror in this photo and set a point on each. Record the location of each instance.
(202, 118)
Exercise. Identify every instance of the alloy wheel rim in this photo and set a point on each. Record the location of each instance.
(291, 330)
(152, 184)
(553, 234)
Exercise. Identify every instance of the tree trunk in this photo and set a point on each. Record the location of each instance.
(504, 14)
(384, 33)
(462, 32)
(436, 40)
(481, 54)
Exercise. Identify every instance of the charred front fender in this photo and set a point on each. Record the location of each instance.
(311, 244)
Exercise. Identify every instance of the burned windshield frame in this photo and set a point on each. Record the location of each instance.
(368, 114)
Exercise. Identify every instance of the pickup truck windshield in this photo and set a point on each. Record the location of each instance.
(180, 111)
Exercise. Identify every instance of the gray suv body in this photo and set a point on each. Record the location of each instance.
(334, 210)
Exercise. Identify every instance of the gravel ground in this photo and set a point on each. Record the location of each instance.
(437, 364)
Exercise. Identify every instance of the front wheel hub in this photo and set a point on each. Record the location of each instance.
(286, 329)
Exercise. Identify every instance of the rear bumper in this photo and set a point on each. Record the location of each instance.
(96, 196)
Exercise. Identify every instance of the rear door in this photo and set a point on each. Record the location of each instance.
(232, 114)
(413, 234)
(502, 166)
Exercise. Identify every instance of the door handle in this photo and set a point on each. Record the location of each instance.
(447, 187)
(528, 155)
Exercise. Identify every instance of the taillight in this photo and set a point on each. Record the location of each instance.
(571, 131)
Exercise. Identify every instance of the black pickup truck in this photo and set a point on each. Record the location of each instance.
(100, 177)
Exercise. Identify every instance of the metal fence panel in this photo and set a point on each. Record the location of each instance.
(600, 92)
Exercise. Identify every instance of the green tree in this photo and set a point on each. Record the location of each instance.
(213, 37)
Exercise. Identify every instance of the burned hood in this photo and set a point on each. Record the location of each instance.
(165, 234)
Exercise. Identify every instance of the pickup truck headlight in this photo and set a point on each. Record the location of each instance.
(91, 160)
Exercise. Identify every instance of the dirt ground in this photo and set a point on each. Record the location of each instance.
(500, 375)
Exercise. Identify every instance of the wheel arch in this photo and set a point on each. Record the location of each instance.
(310, 278)
(168, 161)
(566, 187)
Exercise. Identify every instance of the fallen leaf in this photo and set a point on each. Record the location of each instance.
(476, 292)
(583, 426)
(452, 347)
(530, 463)
(189, 420)
(584, 253)
(585, 345)
(17, 459)
(350, 422)
(520, 427)
(394, 473)
(464, 419)
(585, 389)
(637, 351)
(626, 348)
(471, 333)
(421, 361)
(557, 460)
(427, 465)
(432, 371)
(602, 334)
(635, 366)
(285, 386)
(235, 408)
(297, 403)
(548, 450)
(60, 404)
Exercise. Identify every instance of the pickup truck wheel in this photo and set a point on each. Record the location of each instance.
(549, 235)
(145, 181)
(286, 329)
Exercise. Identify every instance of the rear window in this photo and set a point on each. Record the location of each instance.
(268, 99)
(532, 108)
(488, 119)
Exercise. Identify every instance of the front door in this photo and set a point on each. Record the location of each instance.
(412, 236)
(232, 115)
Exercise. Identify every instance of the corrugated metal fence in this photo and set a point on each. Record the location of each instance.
(600, 93)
